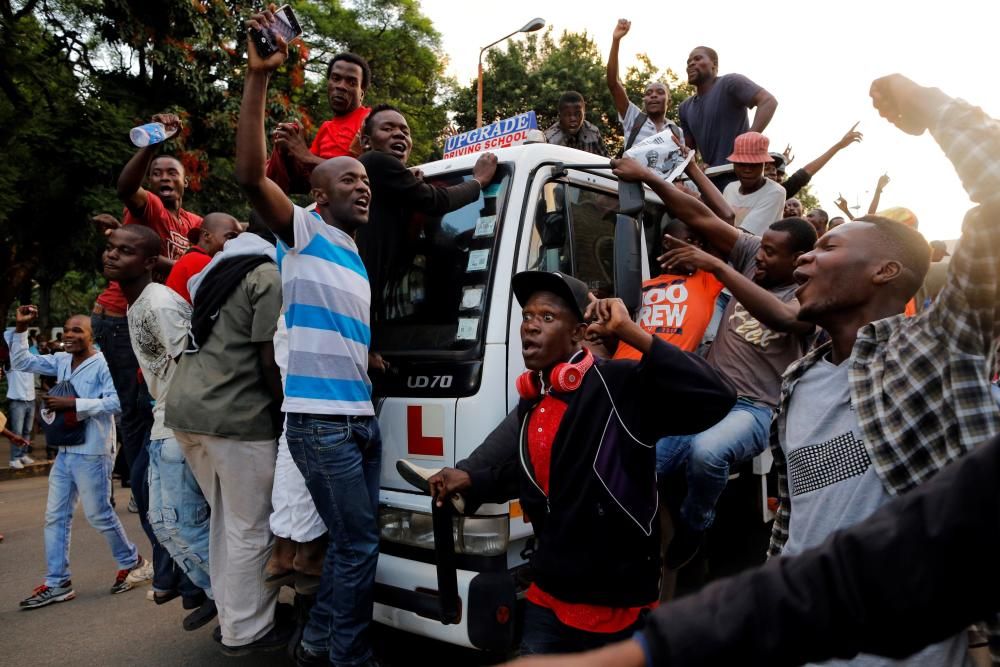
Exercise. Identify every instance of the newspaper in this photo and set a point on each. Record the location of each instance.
(662, 154)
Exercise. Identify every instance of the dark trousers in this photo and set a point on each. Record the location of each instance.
(544, 633)
(111, 334)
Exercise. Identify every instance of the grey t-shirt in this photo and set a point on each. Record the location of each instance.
(716, 118)
(832, 485)
(752, 356)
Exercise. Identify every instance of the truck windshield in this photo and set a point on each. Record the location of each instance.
(436, 303)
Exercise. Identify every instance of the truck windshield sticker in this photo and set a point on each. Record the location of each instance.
(478, 260)
(472, 297)
(485, 226)
(468, 327)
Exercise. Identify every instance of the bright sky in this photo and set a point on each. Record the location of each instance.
(817, 59)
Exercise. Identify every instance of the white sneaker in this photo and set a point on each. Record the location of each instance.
(16, 464)
(26, 460)
(141, 574)
(418, 476)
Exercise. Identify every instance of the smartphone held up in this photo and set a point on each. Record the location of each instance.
(285, 26)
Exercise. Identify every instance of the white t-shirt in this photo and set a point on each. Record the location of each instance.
(648, 128)
(756, 211)
(158, 324)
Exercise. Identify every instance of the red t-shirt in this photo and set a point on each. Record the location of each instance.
(677, 309)
(542, 428)
(333, 139)
(191, 263)
(173, 233)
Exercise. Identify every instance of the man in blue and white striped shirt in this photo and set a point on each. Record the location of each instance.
(331, 429)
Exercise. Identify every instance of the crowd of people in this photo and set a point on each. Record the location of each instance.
(233, 364)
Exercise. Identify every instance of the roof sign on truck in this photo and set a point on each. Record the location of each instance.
(501, 134)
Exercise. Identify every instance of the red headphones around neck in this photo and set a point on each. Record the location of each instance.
(565, 377)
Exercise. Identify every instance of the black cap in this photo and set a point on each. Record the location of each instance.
(941, 245)
(779, 161)
(569, 289)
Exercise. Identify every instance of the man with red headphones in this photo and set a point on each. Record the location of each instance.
(579, 452)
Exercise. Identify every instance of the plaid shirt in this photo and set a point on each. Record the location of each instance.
(587, 139)
(920, 386)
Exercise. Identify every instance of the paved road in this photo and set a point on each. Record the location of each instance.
(98, 629)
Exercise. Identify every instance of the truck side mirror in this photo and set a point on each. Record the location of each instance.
(628, 262)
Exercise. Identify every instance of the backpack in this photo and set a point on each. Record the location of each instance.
(63, 429)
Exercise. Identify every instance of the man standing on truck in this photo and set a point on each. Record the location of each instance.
(578, 453)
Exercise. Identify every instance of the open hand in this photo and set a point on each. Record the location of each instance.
(485, 168)
(291, 138)
(682, 257)
(852, 136)
(105, 223)
(262, 21)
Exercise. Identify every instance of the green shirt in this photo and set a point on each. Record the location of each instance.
(220, 390)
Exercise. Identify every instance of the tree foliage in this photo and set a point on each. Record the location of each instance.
(75, 75)
(531, 73)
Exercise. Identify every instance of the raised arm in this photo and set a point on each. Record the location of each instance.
(273, 206)
(618, 93)
(967, 311)
(21, 356)
(130, 190)
(766, 104)
(842, 205)
(710, 193)
(771, 311)
(688, 209)
(883, 181)
(852, 136)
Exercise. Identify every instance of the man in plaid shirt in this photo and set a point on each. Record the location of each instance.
(889, 401)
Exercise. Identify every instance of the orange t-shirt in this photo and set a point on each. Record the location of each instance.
(677, 309)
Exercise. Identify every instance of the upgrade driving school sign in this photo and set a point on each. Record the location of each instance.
(501, 134)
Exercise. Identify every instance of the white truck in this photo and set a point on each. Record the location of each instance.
(453, 343)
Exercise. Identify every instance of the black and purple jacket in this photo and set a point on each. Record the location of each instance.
(597, 535)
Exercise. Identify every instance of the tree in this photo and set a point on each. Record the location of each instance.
(531, 74)
(75, 75)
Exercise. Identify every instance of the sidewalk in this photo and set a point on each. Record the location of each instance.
(39, 468)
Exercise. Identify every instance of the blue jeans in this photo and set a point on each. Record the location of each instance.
(22, 419)
(739, 436)
(341, 462)
(86, 477)
(544, 634)
(178, 511)
(166, 575)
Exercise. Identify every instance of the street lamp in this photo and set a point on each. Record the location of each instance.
(530, 26)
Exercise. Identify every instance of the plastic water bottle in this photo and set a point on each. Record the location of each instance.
(150, 133)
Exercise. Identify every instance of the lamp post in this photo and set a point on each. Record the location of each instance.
(530, 26)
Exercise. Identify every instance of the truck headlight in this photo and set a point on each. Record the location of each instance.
(475, 535)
